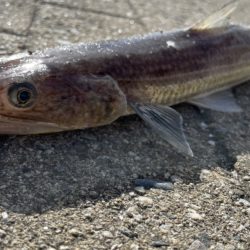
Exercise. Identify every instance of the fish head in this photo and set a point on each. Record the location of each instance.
(38, 98)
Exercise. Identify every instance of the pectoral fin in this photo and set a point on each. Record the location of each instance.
(221, 101)
(166, 122)
(217, 19)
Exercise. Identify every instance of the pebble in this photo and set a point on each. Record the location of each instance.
(107, 234)
(145, 201)
(197, 245)
(175, 178)
(5, 215)
(147, 183)
(132, 211)
(2, 233)
(211, 142)
(132, 194)
(246, 178)
(229, 247)
(159, 243)
(240, 228)
(165, 227)
(134, 247)
(205, 175)
(116, 246)
(63, 247)
(218, 246)
(164, 185)
(130, 234)
(243, 202)
(75, 232)
(140, 190)
(167, 175)
(203, 125)
(138, 217)
(248, 211)
(194, 215)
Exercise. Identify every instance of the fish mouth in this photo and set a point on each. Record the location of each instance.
(14, 126)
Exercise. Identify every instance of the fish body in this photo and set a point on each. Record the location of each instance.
(88, 85)
(162, 68)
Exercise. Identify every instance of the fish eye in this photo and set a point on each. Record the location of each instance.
(22, 95)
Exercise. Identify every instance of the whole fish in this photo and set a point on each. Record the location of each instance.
(89, 85)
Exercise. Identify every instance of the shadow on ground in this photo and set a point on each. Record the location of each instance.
(63, 169)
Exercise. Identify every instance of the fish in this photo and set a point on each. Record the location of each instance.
(85, 85)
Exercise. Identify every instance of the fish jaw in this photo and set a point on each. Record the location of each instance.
(9, 125)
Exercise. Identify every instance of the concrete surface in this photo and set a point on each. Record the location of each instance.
(75, 190)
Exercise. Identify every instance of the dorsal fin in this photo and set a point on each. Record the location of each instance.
(217, 19)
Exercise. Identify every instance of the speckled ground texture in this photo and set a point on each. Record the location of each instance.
(76, 190)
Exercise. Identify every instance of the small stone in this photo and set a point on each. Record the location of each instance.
(194, 215)
(98, 227)
(167, 175)
(205, 175)
(75, 232)
(234, 174)
(147, 184)
(116, 246)
(159, 243)
(164, 185)
(138, 217)
(2, 233)
(134, 247)
(218, 246)
(125, 231)
(165, 228)
(132, 211)
(193, 206)
(140, 190)
(197, 245)
(246, 178)
(132, 194)
(237, 192)
(107, 234)
(240, 228)
(63, 247)
(93, 194)
(5, 216)
(89, 216)
(145, 201)
(248, 211)
(211, 142)
(58, 230)
(229, 247)
(176, 179)
(243, 202)
(203, 125)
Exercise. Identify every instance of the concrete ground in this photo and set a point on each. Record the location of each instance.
(75, 190)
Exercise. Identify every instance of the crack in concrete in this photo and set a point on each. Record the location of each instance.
(11, 32)
(89, 10)
(26, 32)
(33, 16)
